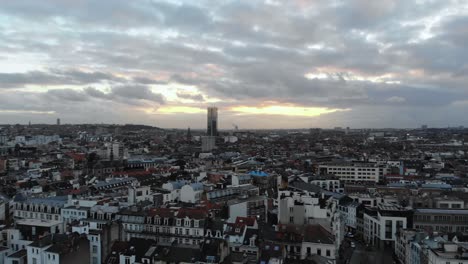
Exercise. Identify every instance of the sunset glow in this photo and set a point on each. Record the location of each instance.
(181, 109)
(285, 110)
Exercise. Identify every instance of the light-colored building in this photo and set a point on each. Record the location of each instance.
(298, 207)
(74, 213)
(354, 172)
(191, 193)
(248, 206)
(208, 143)
(448, 253)
(164, 225)
(174, 187)
(404, 243)
(116, 151)
(139, 194)
(382, 223)
(441, 220)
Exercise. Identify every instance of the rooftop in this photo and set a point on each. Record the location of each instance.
(38, 222)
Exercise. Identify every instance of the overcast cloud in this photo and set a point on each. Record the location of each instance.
(388, 63)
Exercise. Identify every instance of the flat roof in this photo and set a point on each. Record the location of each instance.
(38, 222)
(441, 211)
(248, 199)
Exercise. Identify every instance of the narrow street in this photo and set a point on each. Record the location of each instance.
(361, 255)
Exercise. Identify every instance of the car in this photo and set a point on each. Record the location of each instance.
(350, 235)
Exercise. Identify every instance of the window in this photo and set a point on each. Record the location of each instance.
(95, 249)
(291, 219)
(34, 260)
(127, 260)
(328, 252)
(95, 260)
(179, 222)
(319, 251)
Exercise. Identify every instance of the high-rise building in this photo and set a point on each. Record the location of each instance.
(212, 122)
(58, 121)
(208, 143)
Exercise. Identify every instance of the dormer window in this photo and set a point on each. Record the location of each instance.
(158, 220)
(237, 230)
(179, 222)
(252, 242)
(196, 223)
(166, 221)
(187, 222)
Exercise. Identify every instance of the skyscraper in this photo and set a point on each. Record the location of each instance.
(212, 122)
(58, 121)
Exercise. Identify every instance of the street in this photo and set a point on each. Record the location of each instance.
(361, 255)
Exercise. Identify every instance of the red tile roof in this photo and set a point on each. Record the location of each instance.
(77, 156)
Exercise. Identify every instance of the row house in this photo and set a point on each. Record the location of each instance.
(242, 235)
(304, 242)
(40, 208)
(165, 225)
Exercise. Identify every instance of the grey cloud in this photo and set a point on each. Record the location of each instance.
(67, 95)
(144, 80)
(95, 93)
(129, 94)
(138, 92)
(54, 77)
(245, 52)
(115, 13)
(195, 97)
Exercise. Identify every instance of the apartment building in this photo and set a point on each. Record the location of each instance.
(354, 172)
(382, 223)
(164, 225)
(438, 219)
(295, 207)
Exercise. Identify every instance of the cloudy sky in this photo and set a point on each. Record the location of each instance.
(263, 63)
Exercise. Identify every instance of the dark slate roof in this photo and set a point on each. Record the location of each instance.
(317, 234)
(139, 247)
(250, 233)
(177, 254)
(19, 254)
(305, 186)
(49, 239)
